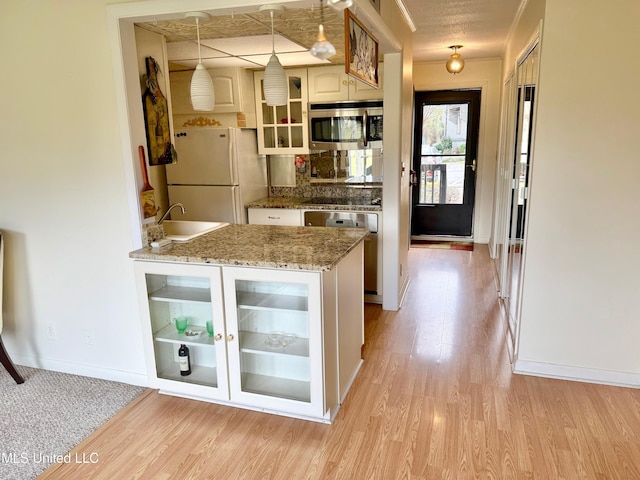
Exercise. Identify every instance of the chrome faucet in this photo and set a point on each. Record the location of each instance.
(164, 216)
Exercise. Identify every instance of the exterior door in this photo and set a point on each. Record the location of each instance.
(445, 152)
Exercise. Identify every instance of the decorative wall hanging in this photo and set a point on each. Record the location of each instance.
(156, 118)
(361, 51)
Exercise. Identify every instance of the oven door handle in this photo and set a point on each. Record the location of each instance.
(365, 121)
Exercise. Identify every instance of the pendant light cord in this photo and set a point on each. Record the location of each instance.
(198, 33)
(273, 38)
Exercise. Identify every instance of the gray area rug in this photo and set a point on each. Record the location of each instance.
(49, 414)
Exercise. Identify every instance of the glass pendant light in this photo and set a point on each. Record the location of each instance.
(202, 93)
(275, 85)
(455, 64)
(323, 48)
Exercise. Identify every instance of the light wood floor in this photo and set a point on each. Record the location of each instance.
(434, 399)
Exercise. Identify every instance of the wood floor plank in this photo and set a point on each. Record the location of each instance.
(435, 399)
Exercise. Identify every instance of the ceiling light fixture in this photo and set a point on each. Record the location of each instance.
(202, 93)
(339, 5)
(455, 64)
(323, 48)
(275, 85)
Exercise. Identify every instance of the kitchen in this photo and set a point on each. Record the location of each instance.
(297, 174)
(306, 169)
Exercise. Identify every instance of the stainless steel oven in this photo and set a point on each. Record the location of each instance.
(327, 218)
(345, 125)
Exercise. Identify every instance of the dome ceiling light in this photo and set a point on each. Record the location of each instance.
(455, 64)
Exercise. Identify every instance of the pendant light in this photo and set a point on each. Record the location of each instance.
(323, 48)
(275, 85)
(202, 93)
(455, 64)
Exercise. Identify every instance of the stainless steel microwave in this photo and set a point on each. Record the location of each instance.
(345, 125)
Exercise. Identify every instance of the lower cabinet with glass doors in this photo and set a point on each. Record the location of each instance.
(268, 350)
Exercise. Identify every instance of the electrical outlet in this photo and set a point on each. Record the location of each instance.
(50, 329)
(88, 336)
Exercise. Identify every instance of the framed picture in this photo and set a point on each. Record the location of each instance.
(361, 51)
(376, 5)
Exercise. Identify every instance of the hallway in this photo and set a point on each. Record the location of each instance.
(435, 399)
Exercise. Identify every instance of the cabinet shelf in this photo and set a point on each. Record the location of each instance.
(270, 301)
(181, 294)
(199, 375)
(252, 342)
(169, 334)
(276, 387)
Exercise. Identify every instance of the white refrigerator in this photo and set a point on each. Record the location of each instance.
(217, 172)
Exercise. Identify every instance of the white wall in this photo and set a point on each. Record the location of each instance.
(484, 74)
(63, 202)
(398, 96)
(581, 300)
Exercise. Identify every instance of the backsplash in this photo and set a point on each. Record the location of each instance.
(305, 189)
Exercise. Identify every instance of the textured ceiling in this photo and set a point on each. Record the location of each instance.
(481, 26)
(297, 25)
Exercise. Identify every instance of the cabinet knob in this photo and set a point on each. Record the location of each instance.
(230, 337)
(344, 82)
(218, 337)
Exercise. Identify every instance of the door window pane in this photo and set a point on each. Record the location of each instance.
(443, 149)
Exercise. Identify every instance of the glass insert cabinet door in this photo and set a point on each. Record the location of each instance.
(283, 129)
(274, 339)
(185, 307)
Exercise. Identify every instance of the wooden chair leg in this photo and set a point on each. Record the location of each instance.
(8, 364)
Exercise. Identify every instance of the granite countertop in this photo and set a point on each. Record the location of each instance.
(294, 248)
(353, 204)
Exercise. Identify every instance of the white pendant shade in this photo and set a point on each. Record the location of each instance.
(275, 85)
(322, 48)
(202, 93)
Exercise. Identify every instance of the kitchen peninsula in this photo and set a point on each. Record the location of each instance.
(275, 317)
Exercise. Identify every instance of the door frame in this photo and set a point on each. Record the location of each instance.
(445, 97)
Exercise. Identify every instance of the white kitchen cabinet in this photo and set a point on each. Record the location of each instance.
(275, 216)
(331, 84)
(283, 129)
(170, 290)
(284, 341)
(233, 89)
(274, 327)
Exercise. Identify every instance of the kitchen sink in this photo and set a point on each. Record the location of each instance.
(185, 230)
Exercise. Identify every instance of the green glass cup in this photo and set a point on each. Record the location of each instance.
(181, 324)
(210, 328)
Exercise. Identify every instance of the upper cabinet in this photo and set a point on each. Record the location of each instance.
(330, 84)
(283, 129)
(232, 86)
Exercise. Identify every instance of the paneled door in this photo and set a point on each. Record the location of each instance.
(445, 152)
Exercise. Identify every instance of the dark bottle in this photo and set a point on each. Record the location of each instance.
(185, 360)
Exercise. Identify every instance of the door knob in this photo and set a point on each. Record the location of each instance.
(230, 337)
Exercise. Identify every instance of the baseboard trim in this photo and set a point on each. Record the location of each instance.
(577, 374)
(131, 378)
